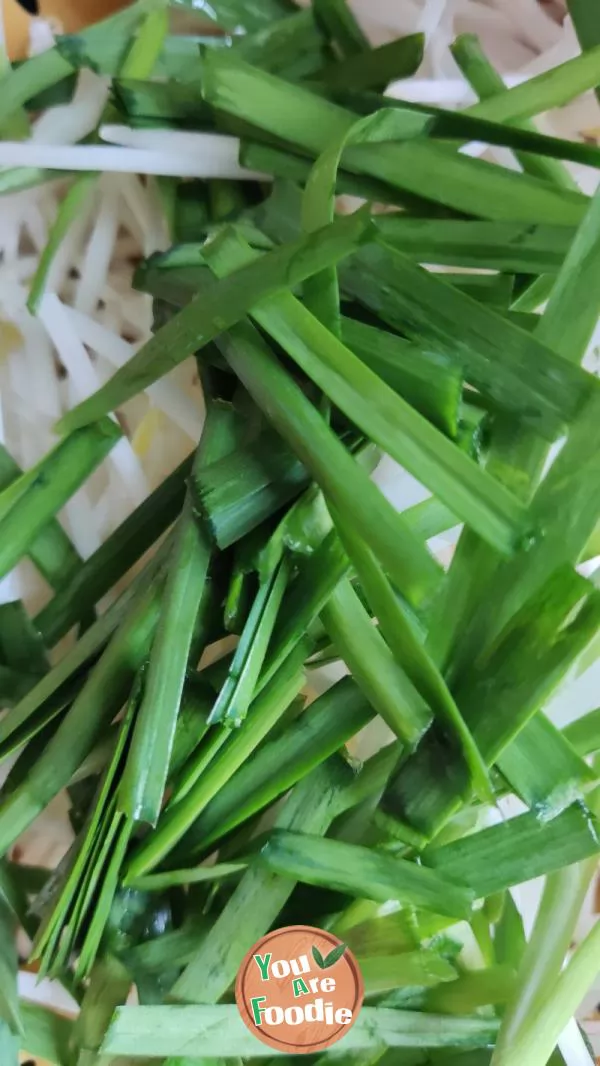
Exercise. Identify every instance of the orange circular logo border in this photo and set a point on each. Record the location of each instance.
(243, 998)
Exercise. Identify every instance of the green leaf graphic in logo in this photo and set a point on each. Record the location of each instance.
(329, 960)
(332, 958)
(316, 954)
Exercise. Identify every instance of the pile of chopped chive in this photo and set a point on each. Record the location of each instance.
(212, 797)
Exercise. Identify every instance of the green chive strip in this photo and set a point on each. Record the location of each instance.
(142, 785)
(97, 703)
(380, 413)
(266, 711)
(95, 577)
(216, 309)
(30, 502)
(280, 763)
(487, 83)
(52, 553)
(363, 873)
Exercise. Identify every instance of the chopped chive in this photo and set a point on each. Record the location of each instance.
(552, 88)
(37, 74)
(52, 553)
(363, 873)
(92, 579)
(237, 493)
(408, 651)
(266, 711)
(56, 690)
(341, 28)
(9, 1000)
(236, 694)
(427, 380)
(333, 468)
(258, 899)
(513, 368)
(71, 207)
(219, 1030)
(487, 83)
(108, 989)
(32, 500)
(319, 732)
(380, 413)
(311, 123)
(215, 310)
(541, 768)
(515, 851)
(530, 658)
(292, 46)
(584, 733)
(377, 673)
(504, 246)
(97, 703)
(375, 68)
(145, 775)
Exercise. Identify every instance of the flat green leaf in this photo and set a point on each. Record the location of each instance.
(46, 1033)
(429, 381)
(239, 16)
(304, 120)
(333, 468)
(215, 310)
(196, 876)
(316, 954)
(21, 646)
(364, 873)
(52, 553)
(376, 67)
(258, 899)
(507, 364)
(497, 699)
(504, 246)
(516, 851)
(375, 669)
(419, 121)
(265, 712)
(293, 46)
(487, 83)
(108, 989)
(471, 990)
(237, 493)
(100, 699)
(32, 500)
(462, 622)
(383, 973)
(411, 654)
(552, 88)
(94, 577)
(74, 204)
(543, 770)
(322, 729)
(584, 733)
(185, 599)
(379, 412)
(9, 997)
(57, 689)
(232, 703)
(219, 1030)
